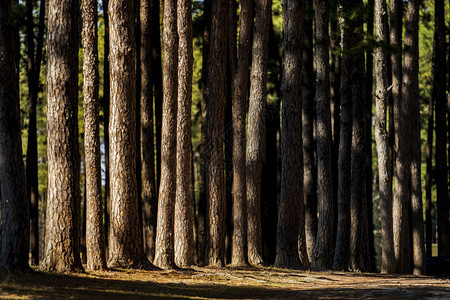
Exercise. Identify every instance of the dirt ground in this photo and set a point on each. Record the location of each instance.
(226, 283)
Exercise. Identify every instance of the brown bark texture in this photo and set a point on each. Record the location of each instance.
(184, 205)
(429, 172)
(164, 252)
(325, 240)
(63, 206)
(96, 259)
(215, 118)
(439, 92)
(239, 90)
(410, 93)
(125, 238)
(148, 193)
(255, 135)
(15, 232)
(382, 140)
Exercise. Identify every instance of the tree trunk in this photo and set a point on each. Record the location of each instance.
(382, 141)
(213, 147)
(439, 91)
(184, 208)
(325, 241)
(95, 242)
(308, 112)
(429, 171)
(125, 238)
(291, 222)
(62, 251)
(410, 93)
(401, 202)
(15, 234)
(239, 90)
(149, 200)
(164, 252)
(256, 130)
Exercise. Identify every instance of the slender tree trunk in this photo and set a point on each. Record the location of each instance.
(239, 90)
(342, 249)
(308, 112)
(125, 236)
(215, 107)
(62, 251)
(325, 241)
(15, 234)
(256, 130)
(439, 91)
(291, 222)
(382, 141)
(164, 252)
(149, 200)
(184, 208)
(410, 93)
(429, 172)
(401, 202)
(96, 259)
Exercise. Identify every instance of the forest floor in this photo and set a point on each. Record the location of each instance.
(226, 283)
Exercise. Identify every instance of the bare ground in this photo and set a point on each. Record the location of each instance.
(227, 283)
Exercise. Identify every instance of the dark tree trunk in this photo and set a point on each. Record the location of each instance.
(439, 91)
(164, 252)
(429, 171)
(410, 93)
(15, 234)
(308, 112)
(125, 236)
(291, 222)
(256, 130)
(325, 240)
(148, 196)
(239, 90)
(62, 251)
(184, 208)
(213, 147)
(382, 141)
(96, 259)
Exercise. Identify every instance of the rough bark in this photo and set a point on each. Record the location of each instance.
(239, 90)
(325, 240)
(291, 220)
(308, 112)
(439, 92)
(382, 140)
(148, 196)
(63, 208)
(256, 130)
(125, 238)
(410, 93)
(215, 106)
(184, 208)
(15, 232)
(96, 259)
(164, 252)
(429, 172)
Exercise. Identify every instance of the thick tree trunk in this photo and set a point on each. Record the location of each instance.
(325, 241)
(125, 238)
(96, 259)
(149, 200)
(308, 112)
(439, 91)
(410, 93)
(184, 206)
(62, 251)
(256, 130)
(382, 141)
(15, 232)
(213, 147)
(239, 90)
(164, 252)
(291, 222)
